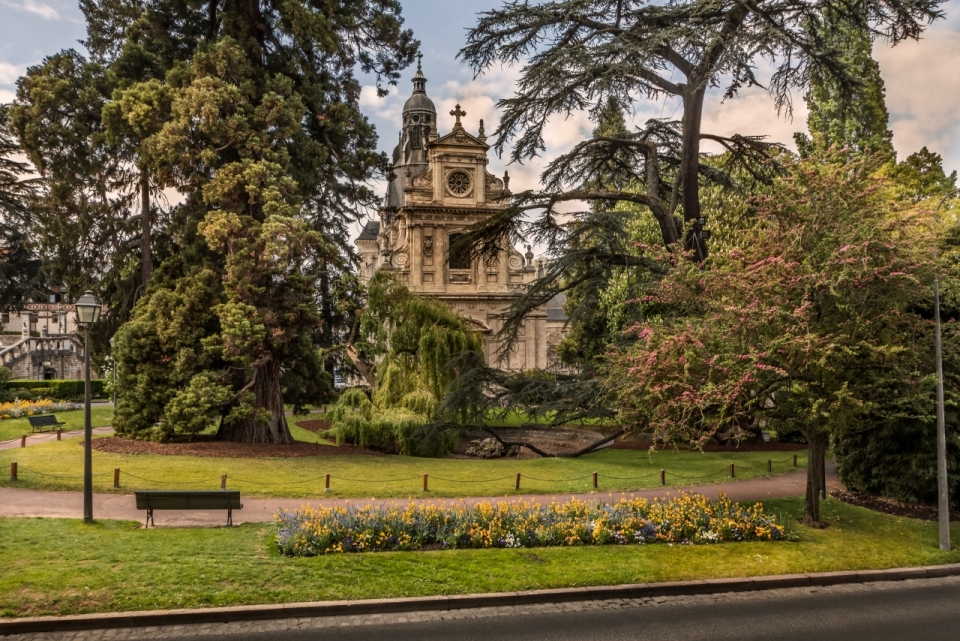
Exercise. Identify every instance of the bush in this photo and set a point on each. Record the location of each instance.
(59, 389)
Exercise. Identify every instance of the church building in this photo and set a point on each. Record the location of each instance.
(440, 187)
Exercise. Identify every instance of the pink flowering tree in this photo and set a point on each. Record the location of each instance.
(821, 309)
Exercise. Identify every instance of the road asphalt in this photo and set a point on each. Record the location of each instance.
(872, 611)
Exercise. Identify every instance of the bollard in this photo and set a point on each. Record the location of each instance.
(326, 484)
(23, 441)
(425, 483)
(594, 480)
(769, 466)
(732, 472)
(59, 432)
(518, 481)
(116, 477)
(794, 460)
(223, 482)
(13, 471)
(663, 477)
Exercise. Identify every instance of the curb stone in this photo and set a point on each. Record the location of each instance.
(460, 602)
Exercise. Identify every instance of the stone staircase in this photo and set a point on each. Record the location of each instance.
(63, 352)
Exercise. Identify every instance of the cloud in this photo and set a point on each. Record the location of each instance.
(45, 11)
(10, 72)
(922, 86)
(752, 113)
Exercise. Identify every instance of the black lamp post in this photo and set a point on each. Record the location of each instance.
(88, 313)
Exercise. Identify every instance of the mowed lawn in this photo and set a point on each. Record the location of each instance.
(59, 567)
(58, 466)
(99, 417)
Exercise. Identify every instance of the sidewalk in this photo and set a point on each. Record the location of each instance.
(34, 503)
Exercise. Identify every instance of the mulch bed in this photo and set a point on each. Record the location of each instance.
(889, 506)
(208, 448)
(314, 425)
(771, 446)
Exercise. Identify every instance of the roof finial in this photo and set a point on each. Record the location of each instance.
(458, 113)
(419, 61)
(483, 134)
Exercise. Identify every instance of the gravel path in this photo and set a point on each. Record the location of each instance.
(34, 503)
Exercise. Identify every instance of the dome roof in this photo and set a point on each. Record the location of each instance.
(419, 101)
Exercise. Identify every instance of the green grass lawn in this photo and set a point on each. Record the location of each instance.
(99, 417)
(59, 567)
(383, 476)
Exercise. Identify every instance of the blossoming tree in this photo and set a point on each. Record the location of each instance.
(806, 326)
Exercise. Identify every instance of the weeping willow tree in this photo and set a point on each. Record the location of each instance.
(414, 345)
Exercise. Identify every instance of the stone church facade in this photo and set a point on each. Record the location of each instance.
(440, 187)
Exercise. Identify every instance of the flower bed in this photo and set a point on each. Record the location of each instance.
(691, 519)
(18, 408)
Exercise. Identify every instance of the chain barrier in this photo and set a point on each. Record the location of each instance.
(21, 468)
(140, 478)
(502, 478)
(628, 478)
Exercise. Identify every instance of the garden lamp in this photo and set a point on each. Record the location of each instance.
(88, 313)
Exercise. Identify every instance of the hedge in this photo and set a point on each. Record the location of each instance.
(58, 389)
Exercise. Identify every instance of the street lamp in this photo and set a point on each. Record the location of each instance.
(943, 497)
(88, 313)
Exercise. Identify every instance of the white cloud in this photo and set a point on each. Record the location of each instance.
(6, 96)
(922, 87)
(45, 11)
(10, 72)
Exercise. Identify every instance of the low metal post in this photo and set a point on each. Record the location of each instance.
(663, 477)
(518, 481)
(594, 480)
(23, 441)
(326, 484)
(425, 487)
(223, 482)
(116, 477)
(59, 432)
(732, 471)
(13, 471)
(769, 466)
(794, 460)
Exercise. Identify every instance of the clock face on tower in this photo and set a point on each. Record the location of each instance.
(458, 182)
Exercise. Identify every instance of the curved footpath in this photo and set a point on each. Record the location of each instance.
(34, 503)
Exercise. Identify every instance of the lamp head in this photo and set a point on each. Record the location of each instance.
(88, 309)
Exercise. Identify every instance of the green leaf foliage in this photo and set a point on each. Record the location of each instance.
(416, 343)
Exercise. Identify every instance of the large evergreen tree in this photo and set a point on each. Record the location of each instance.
(850, 115)
(267, 144)
(19, 267)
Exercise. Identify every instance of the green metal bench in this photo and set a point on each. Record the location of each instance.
(37, 423)
(228, 500)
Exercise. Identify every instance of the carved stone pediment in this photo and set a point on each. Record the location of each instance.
(493, 183)
(424, 180)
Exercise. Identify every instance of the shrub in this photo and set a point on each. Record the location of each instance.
(60, 389)
(688, 519)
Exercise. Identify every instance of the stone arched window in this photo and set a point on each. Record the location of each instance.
(458, 260)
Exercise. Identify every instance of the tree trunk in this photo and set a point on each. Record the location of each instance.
(690, 161)
(267, 396)
(145, 253)
(816, 459)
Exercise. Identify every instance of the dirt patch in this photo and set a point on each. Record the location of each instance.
(314, 425)
(889, 506)
(208, 448)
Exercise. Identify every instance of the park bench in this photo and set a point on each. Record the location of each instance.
(228, 500)
(37, 423)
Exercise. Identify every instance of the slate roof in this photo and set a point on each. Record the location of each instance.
(370, 231)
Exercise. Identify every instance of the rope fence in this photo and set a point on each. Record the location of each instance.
(518, 478)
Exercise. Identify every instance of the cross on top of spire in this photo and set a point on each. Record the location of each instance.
(458, 113)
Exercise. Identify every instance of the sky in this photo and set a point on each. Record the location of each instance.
(922, 82)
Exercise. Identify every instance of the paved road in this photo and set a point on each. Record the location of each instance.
(927, 609)
(31, 503)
